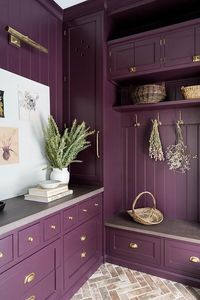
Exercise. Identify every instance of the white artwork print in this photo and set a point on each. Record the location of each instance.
(28, 104)
(27, 108)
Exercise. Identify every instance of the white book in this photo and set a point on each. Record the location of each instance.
(38, 191)
(47, 199)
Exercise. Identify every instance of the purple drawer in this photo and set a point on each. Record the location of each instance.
(80, 237)
(51, 227)
(27, 274)
(182, 256)
(89, 208)
(70, 218)
(29, 238)
(135, 247)
(6, 250)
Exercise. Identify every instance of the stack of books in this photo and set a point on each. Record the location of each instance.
(47, 195)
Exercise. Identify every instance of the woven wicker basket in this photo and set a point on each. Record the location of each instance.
(146, 215)
(191, 92)
(148, 93)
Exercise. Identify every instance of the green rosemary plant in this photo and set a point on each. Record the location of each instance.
(62, 150)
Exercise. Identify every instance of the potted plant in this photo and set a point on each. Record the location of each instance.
(62, 149)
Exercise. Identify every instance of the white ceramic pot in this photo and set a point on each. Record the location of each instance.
(61, 175)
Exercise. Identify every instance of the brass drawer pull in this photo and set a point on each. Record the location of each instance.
(132, 69)
(30, 239)
(31, 298)
(83, 237)
(1, 254)
(84, 210)
(97, 144)
(83, 254)
(96, 204)
(29, 278)
(196, 58)
(70, 218)
(133, 245)
(53, 227)
(195, 259)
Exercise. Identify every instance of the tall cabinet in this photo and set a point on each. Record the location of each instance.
(83, 90)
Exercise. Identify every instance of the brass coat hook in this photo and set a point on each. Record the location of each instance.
(158, 119)
(136, 124)
(180, 121)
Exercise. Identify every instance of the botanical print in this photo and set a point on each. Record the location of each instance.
(28, 109)
(9, 146)
(1, 104)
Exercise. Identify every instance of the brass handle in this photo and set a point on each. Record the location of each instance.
(70, 218)
(195, 259)
(83, 237)
(84, 210)
(97, 145)
(132, 69)
(31, 298)
(96, 204)
(196, 58)
(29, 278)
(83, 254)
(30, 239)
(53, 227)
(133, 245)
(1, 254)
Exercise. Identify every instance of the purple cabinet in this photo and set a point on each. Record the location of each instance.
(83, 91)
(6, 250)
(29, 238)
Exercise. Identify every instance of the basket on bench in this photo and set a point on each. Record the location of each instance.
(146, 215)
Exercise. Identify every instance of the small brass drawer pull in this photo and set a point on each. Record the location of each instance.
(30, 239)
(84, 210)
(53, 227)
(31, 298)
(70, 218)
(29, 278)
(196, 58)
(133, 245)
(195, 259)
(83, 254)
(96, 204)
(83, 237)
(1, 254)
(132, 69)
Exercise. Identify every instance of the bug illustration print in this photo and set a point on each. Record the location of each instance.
(9, 152)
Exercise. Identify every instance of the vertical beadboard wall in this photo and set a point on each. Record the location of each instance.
(36, 19)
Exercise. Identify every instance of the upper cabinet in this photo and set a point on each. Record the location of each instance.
(158, 51)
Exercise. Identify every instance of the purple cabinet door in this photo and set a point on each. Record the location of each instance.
(6, 250)
(85, 92)
(147, 54)
(179, 47)
(29, 238)
(121, 59)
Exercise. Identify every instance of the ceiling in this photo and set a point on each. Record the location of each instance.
(67, 3)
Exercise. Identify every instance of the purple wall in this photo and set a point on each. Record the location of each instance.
(41, 21)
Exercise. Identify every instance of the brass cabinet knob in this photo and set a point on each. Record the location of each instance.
(29, 278)
(196, 58)
(31, 298)
(53, 227)
(70, 218)
(96, 204)
(84, 210)
(1, 254)
(83, 254)
(30, 239)
(133, 245)
(132, 69)
(195, 259)
(83, 237)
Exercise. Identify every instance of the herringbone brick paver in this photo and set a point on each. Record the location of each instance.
(111, 282)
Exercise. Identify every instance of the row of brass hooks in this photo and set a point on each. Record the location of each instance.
(180, 121)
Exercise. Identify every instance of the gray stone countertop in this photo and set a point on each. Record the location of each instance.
(19, 212)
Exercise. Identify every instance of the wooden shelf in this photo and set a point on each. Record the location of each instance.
(174, 229)
(158, 106)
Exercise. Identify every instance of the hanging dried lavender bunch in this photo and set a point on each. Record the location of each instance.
(155, 146)
(178, 157)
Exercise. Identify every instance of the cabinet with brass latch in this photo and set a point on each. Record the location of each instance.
(172, 47)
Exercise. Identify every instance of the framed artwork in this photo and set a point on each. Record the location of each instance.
(9, 145)
(1, 104)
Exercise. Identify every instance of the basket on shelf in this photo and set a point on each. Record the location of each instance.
(148, 93)
(191, 92)
(146, 215)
